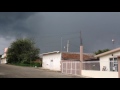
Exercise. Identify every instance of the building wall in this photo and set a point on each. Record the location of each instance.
(119, 67)
(55, 65)
(99, 74)
(104, 60)
(3, 61)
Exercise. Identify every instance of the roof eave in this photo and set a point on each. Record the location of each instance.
(108, 52)
(51, 52)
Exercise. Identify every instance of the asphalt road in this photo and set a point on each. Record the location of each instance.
(11, 71)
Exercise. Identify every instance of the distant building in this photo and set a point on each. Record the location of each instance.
(3, 58)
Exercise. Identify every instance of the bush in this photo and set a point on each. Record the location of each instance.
(36, 64)
(19, 64)
(32, 64)
(25, 62)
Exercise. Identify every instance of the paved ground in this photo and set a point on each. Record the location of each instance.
(11, 71)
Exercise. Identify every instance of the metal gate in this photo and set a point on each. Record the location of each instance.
(70, 67)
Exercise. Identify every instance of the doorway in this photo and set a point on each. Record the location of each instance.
(51, 64)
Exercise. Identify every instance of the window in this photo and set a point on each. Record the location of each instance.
(113, 64)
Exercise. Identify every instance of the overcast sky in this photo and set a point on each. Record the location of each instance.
(47, 28)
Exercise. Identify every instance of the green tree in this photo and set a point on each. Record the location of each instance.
(22, 51)
(0, 56)
(101, 51)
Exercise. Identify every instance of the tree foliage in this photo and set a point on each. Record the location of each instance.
(101, 51)
(0, 56)
(22, 51)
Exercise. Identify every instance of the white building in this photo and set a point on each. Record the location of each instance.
(51, 60)
(108, 65)
(3, 58)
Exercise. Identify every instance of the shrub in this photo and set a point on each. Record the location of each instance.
(38, 64)
(32, 64)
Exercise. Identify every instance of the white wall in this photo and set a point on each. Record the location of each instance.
(99, 74)
(3, 61)
(46, 62)
(104, 60)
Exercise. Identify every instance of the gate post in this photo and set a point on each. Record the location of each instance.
(61, 65)
(118, 66)
(81, 58)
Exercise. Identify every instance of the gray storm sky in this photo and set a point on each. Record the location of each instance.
(47, 28)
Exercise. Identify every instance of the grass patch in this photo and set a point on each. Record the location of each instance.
(27, 65)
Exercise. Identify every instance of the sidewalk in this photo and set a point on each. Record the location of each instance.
(63, 73)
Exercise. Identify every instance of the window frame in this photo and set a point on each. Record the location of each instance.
(113, 63)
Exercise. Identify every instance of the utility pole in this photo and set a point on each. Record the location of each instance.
(61, 44)
(81, 48)
(81, 53)
(67, 45)
(61, 48)
(80, 39)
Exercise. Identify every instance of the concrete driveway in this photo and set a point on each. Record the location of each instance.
(11, 71)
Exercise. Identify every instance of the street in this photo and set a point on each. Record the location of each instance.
(11, 71)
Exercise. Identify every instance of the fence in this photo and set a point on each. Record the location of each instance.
(97, 69)
(91, 65)
(70, 67)
(100, 65)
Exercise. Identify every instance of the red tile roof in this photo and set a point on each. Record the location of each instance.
(76, 56)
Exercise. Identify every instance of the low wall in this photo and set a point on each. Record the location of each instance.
(99, 74)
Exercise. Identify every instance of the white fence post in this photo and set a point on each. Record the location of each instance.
(71, 67)
(66, 67)
(62, 66)
(75, 68)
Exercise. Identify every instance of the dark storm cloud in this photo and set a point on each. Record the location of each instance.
(47, 28)
(12, 23)
(98, 29)
(10, 17)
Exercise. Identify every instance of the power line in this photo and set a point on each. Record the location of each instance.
(78, 47)
(56, 41)
(58, 35)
